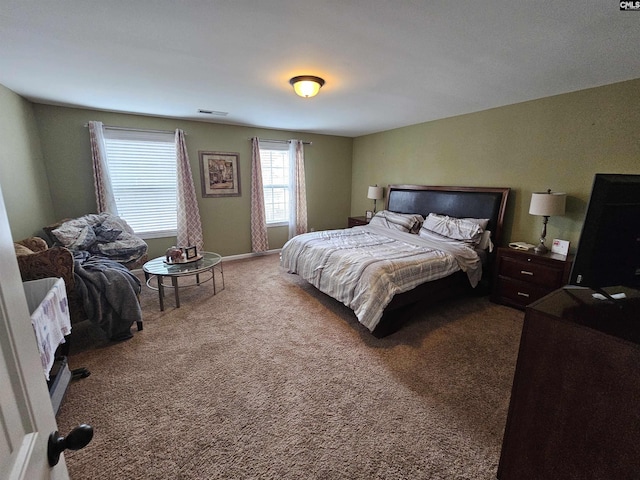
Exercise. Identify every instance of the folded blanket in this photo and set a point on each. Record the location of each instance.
(109, 293)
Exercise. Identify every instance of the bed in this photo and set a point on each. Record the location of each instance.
(378, 269)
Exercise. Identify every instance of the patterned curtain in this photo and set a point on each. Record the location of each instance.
(298, 190)
(189, 225)
(105, 201)
(259, 238)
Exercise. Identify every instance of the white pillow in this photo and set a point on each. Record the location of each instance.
(485, 242)
(405, 222)
(483, 222)
(467, 230)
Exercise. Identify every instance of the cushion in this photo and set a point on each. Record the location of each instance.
(405, 222)
(22, 250)
(35, 244)
(67, 233)
(456, 228)
(106, 235)
(126, 249)
(84, 240)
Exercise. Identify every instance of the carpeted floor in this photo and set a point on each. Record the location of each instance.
(271, 379)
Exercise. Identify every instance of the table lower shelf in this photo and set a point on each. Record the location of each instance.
(209, 276)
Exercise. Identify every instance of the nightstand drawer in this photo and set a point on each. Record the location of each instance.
(530, 272)
(520, 293)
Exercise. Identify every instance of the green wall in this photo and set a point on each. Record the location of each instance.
(558, 142)
(225, 221)
(23, 175)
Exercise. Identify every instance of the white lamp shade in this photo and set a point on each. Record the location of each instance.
(375, 193)
(547, 204)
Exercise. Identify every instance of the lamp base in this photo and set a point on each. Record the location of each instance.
(541, 249)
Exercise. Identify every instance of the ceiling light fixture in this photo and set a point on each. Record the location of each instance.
(306, 85)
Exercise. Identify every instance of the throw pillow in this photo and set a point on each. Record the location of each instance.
(21, 250)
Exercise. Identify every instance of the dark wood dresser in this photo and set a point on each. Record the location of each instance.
(575, 403)
(523, 277)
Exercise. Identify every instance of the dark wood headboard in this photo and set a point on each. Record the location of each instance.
(460, 202)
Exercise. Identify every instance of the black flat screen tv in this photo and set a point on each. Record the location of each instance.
(609, 249)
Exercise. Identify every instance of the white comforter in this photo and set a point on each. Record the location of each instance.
(364, 267)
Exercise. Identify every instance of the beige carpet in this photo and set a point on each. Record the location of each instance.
(271, 379)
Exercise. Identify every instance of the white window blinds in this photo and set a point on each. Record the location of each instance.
(142, 167)
(274, 158)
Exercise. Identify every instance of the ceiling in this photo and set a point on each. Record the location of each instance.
(386, 63)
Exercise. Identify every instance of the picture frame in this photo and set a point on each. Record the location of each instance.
(369, 214)
(561, 247)
(220, 174)
(190, 252)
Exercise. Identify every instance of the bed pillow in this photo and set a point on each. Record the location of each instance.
(483, 222)
(405, 222)
(457, 228)
(485, 242)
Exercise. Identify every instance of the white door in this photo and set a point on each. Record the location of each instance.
(26, 414)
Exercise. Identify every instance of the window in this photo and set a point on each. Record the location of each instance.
(142, 168)
(274, 158)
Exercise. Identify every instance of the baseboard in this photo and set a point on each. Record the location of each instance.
(242, 256)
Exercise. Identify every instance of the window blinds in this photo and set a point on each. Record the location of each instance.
(274, 158)
(142, 167)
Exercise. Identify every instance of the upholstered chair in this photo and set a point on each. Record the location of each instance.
(36, 260)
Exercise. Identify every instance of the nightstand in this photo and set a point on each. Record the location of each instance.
(356, 221)
(521, 277)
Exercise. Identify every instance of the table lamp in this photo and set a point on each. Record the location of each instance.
(375, 193)
(546, 204)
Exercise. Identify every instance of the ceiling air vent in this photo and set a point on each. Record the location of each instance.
(213, 112)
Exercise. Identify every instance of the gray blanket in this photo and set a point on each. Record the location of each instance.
(109, 293)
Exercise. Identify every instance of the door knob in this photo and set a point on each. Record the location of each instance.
(78, 438)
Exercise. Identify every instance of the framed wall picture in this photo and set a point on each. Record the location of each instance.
(220, 174)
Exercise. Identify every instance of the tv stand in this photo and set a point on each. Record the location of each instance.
(573, 410)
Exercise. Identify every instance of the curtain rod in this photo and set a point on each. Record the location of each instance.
(282, 141)
(135, 129)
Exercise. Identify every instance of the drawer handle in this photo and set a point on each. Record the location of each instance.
(526, 295)
(524, 272)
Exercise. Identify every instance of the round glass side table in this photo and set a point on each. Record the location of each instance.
(203, 268)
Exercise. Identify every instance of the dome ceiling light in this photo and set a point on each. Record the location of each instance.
(306, 85)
